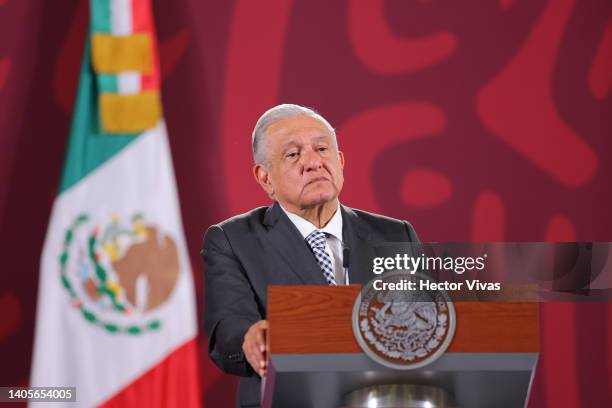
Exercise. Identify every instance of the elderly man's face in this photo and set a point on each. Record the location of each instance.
(304, 167)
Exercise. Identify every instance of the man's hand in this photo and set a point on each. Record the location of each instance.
(255, 348)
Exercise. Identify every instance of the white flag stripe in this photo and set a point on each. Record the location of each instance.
(121, 17)
(129, 83)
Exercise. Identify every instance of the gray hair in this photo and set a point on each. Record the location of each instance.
(276, 114)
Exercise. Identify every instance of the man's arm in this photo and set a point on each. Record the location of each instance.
(412, 235)
(230, 305)
(416, 247)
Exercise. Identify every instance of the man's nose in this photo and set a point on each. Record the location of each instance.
(311, 160)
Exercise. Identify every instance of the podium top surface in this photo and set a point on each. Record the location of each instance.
(317, 319)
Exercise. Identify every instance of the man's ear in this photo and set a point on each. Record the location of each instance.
(341, 159)
(262, 176)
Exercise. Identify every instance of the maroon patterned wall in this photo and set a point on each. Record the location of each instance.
(483, 120)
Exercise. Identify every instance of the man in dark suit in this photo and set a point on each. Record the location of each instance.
(305, 237)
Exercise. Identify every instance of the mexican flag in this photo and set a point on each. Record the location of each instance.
(116, 310)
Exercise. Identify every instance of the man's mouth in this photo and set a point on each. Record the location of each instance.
(316, 180)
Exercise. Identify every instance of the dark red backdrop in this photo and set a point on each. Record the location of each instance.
(482, 121)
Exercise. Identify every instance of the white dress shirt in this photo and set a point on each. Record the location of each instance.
(333, 230)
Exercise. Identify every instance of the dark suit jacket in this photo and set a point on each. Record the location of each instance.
(246, 253)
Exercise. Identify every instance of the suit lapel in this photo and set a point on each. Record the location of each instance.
(357, 237)
(288, 243)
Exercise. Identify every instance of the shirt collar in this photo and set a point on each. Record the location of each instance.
(333, 227)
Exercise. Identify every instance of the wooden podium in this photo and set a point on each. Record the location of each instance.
(315, 360)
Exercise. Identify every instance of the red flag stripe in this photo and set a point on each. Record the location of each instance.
(174, 382)
(142, 21)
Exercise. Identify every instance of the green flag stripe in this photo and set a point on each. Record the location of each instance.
(100, 16)
(108, 83)
(88, 147)
(101, 23)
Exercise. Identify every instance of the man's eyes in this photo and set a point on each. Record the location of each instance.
(296, 154)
